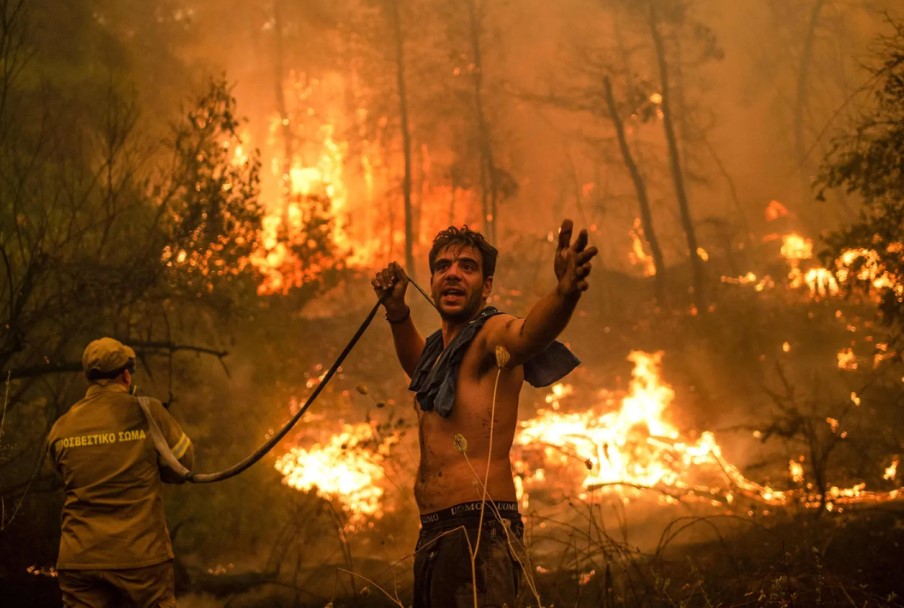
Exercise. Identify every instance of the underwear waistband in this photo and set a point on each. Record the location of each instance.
(471, 510)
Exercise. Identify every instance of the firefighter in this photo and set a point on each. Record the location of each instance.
(115, 549)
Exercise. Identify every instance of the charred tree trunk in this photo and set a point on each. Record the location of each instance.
(489, 191)
(285, 128)
(395, 19)
(671, 137)
(640, 188)
(803, 75)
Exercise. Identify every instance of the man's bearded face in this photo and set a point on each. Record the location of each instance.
(457, 284)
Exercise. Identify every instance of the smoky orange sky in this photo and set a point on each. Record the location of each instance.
(758, 94)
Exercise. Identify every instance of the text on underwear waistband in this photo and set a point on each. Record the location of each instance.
(468, 510)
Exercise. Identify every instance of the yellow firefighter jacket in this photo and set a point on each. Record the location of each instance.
(113, 514)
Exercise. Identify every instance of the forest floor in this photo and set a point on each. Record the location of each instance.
(837, 559)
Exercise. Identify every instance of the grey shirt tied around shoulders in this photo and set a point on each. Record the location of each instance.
(434, 380)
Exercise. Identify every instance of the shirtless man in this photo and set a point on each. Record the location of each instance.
(464, 482)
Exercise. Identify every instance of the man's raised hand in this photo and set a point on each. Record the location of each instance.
(572, 262)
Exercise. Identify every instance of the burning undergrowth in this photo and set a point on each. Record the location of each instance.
(611, 443)
(610, 484)
(771, 407)
(347, 467)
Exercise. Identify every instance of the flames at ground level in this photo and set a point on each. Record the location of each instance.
(618, 445)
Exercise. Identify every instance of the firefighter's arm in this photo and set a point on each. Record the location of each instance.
(178, 442)
(47, 468)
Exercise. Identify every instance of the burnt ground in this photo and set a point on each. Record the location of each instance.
(849, 559)
(795, 560)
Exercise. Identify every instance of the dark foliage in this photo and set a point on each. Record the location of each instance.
(869, 162)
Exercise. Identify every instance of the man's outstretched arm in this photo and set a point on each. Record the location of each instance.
(526, 337)
(390, 285)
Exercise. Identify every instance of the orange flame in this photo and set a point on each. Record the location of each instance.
(633, 446)
(620, 446)
(346, 469)
(638, 254)
(864, 265)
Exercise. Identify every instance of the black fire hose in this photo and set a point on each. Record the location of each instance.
(173, 463)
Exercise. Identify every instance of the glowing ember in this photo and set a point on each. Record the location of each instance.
(775, 210)
(557, 393)
(741, 280)
(796, 278)
(882, 354)
(796, 469)
(847, 360)
(48, 571)
(863, 265)
(821, 282)
(891, 471)
(796, 247)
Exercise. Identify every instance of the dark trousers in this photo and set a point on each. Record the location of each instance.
(149, 587)
(443, 573)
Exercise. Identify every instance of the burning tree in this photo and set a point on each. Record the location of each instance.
(636, 75)
(99, 235)
(95, 240)
(208, 199)
(479, 161)
(867, 162)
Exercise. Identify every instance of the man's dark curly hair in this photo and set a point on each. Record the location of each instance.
(464, 236)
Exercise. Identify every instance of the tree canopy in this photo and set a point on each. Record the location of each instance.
(868, 161)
